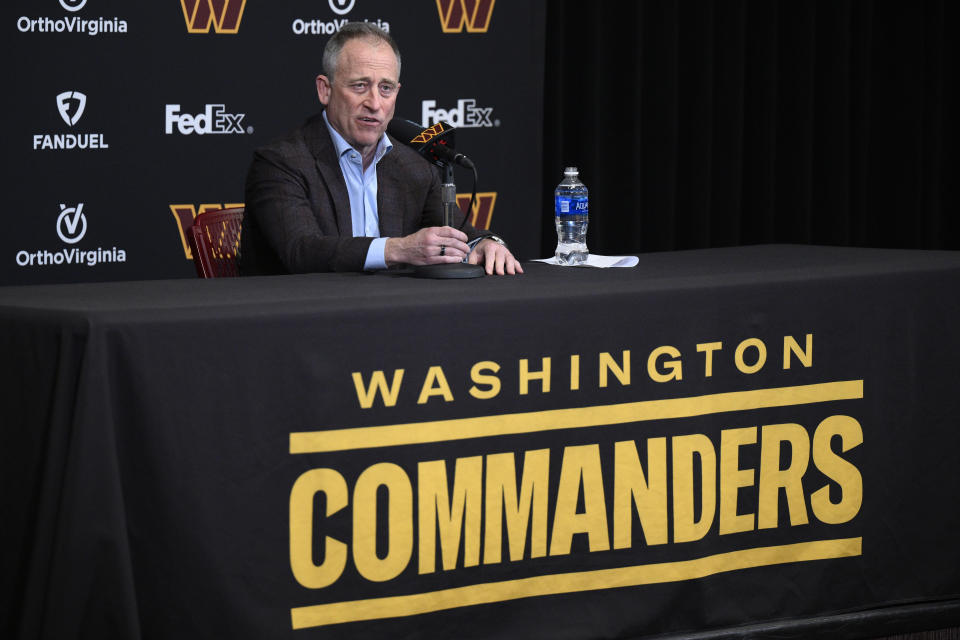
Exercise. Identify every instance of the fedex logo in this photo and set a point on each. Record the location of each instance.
(214, 119)
(465, 115)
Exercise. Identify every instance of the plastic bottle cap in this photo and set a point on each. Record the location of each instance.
(571, 171)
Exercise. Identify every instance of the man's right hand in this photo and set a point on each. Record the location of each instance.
(431, 245)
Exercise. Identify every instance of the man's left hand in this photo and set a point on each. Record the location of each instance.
(495, 258)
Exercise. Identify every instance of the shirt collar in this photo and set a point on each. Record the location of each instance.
(383, 146)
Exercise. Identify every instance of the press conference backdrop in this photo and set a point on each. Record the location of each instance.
(127, 119)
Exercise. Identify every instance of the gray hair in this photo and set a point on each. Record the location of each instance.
(351, 31)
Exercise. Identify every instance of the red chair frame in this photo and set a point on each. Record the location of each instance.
(215, 241)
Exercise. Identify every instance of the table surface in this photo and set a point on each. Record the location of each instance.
(149, 479)
(668, 271)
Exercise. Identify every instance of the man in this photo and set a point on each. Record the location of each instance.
(338, 194)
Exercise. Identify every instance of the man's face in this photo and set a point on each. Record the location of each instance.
(361, 99)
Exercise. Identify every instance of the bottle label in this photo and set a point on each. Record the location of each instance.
(566, 206)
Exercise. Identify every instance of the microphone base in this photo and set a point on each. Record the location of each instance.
(457, 270)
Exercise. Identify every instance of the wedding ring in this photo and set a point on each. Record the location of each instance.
(443, 249)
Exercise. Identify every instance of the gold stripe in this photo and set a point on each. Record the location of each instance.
(576, 418)
(418, 603)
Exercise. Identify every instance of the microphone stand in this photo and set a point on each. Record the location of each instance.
(448, 196)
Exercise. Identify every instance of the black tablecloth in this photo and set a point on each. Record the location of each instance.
(737, 441)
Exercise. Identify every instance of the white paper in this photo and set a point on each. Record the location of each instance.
(600, 262)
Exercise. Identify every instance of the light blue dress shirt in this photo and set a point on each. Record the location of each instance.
(362, 189)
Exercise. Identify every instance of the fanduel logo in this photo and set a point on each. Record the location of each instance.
(71, 105)
(465, 115)
(67, 99)
(214, 120)
(223, 15)
(71, 24)
(71, 227)
(473, 14)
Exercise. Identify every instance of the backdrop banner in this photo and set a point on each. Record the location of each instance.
(134, 117)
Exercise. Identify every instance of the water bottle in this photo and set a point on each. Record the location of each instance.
(572, 211)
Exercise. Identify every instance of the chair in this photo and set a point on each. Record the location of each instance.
(215, 240)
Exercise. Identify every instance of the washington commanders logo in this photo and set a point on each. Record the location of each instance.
(223, 15)
(185, 213)
(482, 211)
(427, 135)
(472, 14)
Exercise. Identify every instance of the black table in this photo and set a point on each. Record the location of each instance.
(735, 442)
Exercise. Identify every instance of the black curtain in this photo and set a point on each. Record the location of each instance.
(728, 122)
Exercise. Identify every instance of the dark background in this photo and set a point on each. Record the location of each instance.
(265, 71)
(718, 123)
(694, 123)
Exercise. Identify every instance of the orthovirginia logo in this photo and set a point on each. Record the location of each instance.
(184, 215)
(71, 24)
(465, 115)
(473, 14)
(223, 15)
(70, 105)
(72, 5)
(72, 224)
(341, 7)
(71, 227)
(327, 27)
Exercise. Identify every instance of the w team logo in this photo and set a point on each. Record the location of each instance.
(223, 15)
(482, 212)
(427, 135)
(473, 14)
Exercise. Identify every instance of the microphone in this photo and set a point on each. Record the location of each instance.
(435, 143)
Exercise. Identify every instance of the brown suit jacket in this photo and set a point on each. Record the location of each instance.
(297, 216)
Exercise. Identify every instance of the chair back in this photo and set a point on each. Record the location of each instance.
(215, 240)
